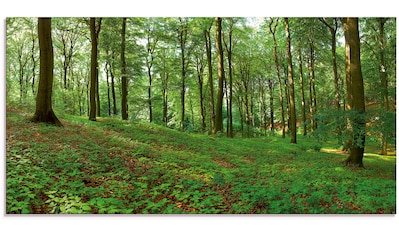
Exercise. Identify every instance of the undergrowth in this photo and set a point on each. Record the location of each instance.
(113, 166)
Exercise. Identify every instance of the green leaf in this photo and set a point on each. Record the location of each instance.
(25, 211)
(73, 210)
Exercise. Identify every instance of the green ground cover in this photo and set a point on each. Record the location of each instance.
(114, 166)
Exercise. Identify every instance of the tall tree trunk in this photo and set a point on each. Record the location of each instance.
(230, 91)
(312, 88)
(22, 63)
(333, 30)
(291, 84)
(108, 88)
(200, 74)
(245, 81)
(151, 45)
(251, 100)
(273, 31)
(271, 91)
(221, 76)
(208, 46)
(98, 93)
(65, 63)
(240, 109)
(44, 110)
(113, 89)
(183, 39)
(33, 58)
(165, 78)
(94, 32)
(149, 93)
(165, 99)
(124, 104)
(88, 96)
(356, 92)
(261, 100)
(384, 81)
(303, 99)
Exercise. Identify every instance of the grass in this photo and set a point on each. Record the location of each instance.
(113, 166)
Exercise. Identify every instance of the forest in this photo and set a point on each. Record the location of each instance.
(203, 115)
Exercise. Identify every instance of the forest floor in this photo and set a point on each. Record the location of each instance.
(114, 166)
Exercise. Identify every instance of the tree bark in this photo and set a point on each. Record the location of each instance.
(303, 98)
(291, 84)
(108, 88)
(208, 46)
(333, 30)
(98, 104)
(113, 88)
(22, 63)
(183, 39)
(165, 79)
(273, 31)
(384, 81)
(33, 58)
(151, 45)
(312, 87)
(44, 111)
(221, 76)
(356, 92)
(271, 92)
(200, 75)
(230, 100)
(124, 104)
(94, 32)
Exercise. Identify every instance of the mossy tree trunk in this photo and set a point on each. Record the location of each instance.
(44, 111)
(355, 91)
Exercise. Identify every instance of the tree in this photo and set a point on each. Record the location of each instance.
(44, 110)
(21, 54)
(199, 65)
(273, 31)
(182, 35)
(230, 91)
(292, 110)
(333, 27)
(208, 47)
(271, 83)
(303, 98)
(384, 80)
(164, 80)
(221, 76)
(173, 62)
(95, 27)
(124, 72)
(152, 40)
(110, 29)
(355, 91)
(312, 84)
(244, 90)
